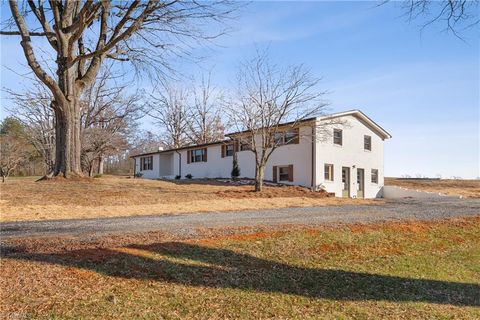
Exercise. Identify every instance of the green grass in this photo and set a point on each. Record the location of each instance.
(409, 271)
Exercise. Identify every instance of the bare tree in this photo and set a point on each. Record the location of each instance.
(204, 117)
(168, 106)
(83, 34)
(269, 95)
(457, 15)
(107, 117)
(14, 148)
(145, 141)
(32, 108)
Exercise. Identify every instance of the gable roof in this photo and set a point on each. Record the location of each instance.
(363, 118)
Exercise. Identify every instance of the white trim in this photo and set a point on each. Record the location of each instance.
(362, 116)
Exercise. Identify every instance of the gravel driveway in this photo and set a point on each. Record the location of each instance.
(391, 210)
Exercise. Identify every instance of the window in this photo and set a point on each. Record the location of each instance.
(374, 175)
(146, 163)
(286, 137)
(278, 138)
(367, 143)
(328, 172)
(283, 174)
(244, 146)
(198, 155)
(229, 150)
(291, 137)
(337, 136)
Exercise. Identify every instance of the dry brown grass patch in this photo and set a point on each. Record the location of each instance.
(25, 199)
(465, 188)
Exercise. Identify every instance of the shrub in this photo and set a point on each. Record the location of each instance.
(235, 173)
(98, 176)
(188, 176)
(178, 177)
(138, 175)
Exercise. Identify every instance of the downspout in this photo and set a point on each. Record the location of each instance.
(179, 164)
(134, 166)
(159, 167)
(314, 157)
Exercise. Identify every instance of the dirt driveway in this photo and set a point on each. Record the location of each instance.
(187, 224)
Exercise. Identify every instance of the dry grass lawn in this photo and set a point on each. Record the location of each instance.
(25, 199)
(410, 270)
(465, 188)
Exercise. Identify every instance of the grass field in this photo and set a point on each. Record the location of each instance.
(25, 199)
(465, 188)
(428, 270)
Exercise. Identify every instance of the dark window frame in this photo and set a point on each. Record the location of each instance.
(245, 146)
(338, 137)
(367, 142)
(286, 137)
(329, 175)
(197, 155)
(284, 174)
(278, 138)
(374, 176)
(290, 136)
(146, 165)
(229, 150)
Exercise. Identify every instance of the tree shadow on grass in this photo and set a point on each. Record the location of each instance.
(194, 265)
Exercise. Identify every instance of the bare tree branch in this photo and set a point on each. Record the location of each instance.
(270, 105)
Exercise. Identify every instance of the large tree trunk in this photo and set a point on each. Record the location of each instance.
(67, 118)
(259, 174)
(68, 143)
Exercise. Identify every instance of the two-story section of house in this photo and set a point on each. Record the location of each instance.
(341, 153)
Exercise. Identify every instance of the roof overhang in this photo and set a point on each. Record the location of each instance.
(196, 146)
(355, 113)
(280, 126)
(363, 118)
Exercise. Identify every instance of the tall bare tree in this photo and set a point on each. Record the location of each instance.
(204, 115)
(83, 34)
(14, 147)
(268, 96)
(456, 15)
(108, 115)
(168, 107)
(32, 107)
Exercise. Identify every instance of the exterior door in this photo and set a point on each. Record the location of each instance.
(360, 183)
(346, 182)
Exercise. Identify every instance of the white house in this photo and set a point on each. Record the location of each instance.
(345, 158)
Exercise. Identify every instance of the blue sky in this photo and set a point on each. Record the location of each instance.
(422, 86)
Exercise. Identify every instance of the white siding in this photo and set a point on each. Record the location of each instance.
(215, 167)
(299, 155)
(350, 154)
(149, 174)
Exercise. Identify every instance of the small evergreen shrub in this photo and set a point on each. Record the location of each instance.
(188, 176)
(235, 173)
(138, 175)
(178, 177)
